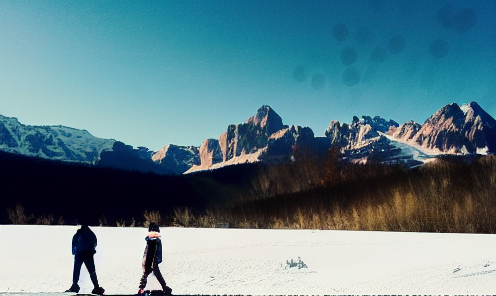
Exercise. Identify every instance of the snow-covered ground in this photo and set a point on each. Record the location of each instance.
(235, 261)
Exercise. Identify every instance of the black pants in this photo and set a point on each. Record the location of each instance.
(158, 275)
(87, 259)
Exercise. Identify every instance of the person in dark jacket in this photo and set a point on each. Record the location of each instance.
(153, 242)
(83, 248)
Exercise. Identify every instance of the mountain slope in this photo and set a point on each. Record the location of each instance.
(454, 129)
(263, 137)
(53, 142)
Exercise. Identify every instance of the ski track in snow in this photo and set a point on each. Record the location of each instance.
(38, 259)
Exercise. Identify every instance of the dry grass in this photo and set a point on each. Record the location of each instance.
(448, 195)
(19, 216)
(124, 223)
(152, 216)
(445, 196)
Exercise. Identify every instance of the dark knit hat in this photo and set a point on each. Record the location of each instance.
(153, 227)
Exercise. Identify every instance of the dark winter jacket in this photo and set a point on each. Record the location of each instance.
(158, 254)
(84, 241)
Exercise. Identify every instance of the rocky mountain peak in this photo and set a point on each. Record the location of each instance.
(359, 132)
(176, 159)
(472, 110)
(262, 136)
(456, 129)
(267, 119)
(449, 114)
(407, 130)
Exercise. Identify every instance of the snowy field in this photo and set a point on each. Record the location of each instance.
(254, 262)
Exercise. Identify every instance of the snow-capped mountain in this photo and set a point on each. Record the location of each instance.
(453, 129)
(361, 132)
(53, 142)
(367, 139)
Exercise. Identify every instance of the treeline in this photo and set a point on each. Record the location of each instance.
(65, 191)
(450, 194)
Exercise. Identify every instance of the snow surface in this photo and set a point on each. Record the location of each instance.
(236, 261)
(465, 108)
(417, 152)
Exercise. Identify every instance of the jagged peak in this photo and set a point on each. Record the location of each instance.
(473, 109)
(463, 113)
(472, 105)
(377, 120)
(448, 111)
(449, 108)
(267, 118)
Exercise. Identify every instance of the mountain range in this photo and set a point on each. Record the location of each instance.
(263, 137)
(53, 142)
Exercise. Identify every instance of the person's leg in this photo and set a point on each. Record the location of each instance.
(90, 265)
(143, 281)
(75, 274)
(78, 262)
(158, 275)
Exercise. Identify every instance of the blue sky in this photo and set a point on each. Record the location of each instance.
(151, 73)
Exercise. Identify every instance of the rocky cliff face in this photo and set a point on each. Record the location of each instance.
(53, 142)
(369, 139)
(248, 137)
(210, 152)
(360, 133)
(407, 130)
(266, 120)
(455, 129)
(479, 128)
(177, 159)
(263, 137)
(282, 142)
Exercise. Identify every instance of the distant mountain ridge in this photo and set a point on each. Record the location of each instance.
(451, 130)
(263, 137)
(53, 142)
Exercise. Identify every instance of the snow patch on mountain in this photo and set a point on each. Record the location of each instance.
(417, 152)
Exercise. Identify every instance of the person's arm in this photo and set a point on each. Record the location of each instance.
(74, 244)
(159, 251)
(94, 240)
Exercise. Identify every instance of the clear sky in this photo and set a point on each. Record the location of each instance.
(151, 73)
